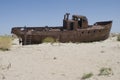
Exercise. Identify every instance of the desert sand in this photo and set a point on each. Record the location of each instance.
(61, 61)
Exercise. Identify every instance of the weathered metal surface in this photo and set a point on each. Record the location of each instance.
(73, 30)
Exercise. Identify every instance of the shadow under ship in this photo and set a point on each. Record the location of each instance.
(73, 30)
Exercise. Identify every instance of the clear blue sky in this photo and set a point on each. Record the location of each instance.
(15, 13)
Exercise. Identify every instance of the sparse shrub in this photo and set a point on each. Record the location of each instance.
(105, 71)
(48, 40)
(5, 43)
(102, 51)
(118, 38)
(88, 75)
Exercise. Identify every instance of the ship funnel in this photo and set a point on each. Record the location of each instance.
(66, 16)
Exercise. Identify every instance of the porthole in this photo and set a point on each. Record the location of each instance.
(94, 31)
(83, 32)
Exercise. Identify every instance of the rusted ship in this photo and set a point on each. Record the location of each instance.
(73, 30)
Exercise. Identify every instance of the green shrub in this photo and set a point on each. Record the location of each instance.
(118, 38)
(88, 75)
(48, 40)
(105, 71)
(5, 43)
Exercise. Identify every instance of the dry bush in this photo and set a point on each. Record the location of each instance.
(48, 40)
(88, 75)
(5, 43)
(118, 38)
(105, 71)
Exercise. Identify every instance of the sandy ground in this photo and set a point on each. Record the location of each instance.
(58, 61)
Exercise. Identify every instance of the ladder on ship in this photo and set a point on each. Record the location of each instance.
(28, 39)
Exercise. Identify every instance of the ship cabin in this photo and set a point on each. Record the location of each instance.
(77, 22)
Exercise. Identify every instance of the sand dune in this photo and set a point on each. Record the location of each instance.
(58, 61)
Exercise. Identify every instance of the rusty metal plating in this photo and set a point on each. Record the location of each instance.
(73, 30)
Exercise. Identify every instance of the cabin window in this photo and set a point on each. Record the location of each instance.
(22, 29)
(84, 19)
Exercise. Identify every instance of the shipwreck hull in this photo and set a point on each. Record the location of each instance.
(99, 31)
(68, 36)
(73, 30)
